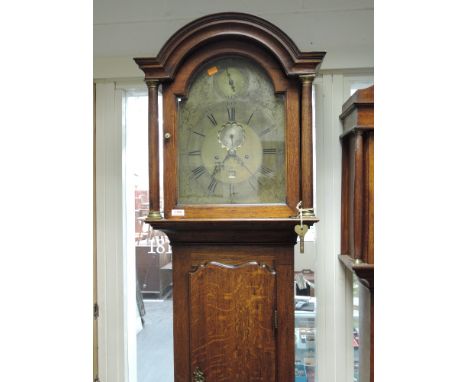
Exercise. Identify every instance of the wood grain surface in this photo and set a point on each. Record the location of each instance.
(232, 322)
(233, 286)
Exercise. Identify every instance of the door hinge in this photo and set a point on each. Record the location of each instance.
(96, 311)
(96, 379)
(276, 319)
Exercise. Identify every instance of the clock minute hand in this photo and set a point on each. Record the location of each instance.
(226, 157)
(241, 162)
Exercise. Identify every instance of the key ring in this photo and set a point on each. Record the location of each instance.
(298, 207)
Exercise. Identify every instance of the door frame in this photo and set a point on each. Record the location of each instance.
(111, 240)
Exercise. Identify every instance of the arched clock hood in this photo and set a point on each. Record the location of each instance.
(229, 26)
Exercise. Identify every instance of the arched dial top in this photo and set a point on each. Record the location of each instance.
(231, 136)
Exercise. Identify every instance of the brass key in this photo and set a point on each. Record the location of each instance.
(301, 230)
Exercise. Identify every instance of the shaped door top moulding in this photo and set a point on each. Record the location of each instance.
(215, 264)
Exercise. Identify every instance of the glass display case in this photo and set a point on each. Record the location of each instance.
(304, 330)
(356, 328)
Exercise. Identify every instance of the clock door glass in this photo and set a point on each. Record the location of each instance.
(231, 131)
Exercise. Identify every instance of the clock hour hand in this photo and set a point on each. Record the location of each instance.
(231, 153)
(231, 82)
(217, 169)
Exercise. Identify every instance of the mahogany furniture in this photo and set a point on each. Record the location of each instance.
(151, 267)
(357, 194)
(233, 263)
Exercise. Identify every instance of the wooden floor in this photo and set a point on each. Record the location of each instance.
(155, 343)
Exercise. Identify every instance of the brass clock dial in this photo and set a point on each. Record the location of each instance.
(231, 137)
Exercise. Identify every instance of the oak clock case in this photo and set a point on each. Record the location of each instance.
(231, 129)
(237, 141)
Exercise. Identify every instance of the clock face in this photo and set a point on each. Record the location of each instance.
(231, 130)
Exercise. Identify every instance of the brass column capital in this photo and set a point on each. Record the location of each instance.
(307, 78)
(152, 83)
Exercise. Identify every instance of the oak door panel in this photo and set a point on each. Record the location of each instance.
(232, 322)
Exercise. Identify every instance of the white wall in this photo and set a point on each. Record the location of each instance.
(115, 279)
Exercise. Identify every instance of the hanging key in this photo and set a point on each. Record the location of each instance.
(301, 230)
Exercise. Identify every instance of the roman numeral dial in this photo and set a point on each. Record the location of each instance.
(198, 172)
(212, 119)
(231, 136)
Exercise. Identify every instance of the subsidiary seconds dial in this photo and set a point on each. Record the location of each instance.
(232, 135)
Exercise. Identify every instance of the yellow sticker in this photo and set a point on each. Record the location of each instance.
(213, 70)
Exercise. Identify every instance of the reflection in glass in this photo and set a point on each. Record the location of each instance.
(153, 257)
(304, 326)
(356, 327)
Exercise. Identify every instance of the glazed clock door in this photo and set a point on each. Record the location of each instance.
(232, 322)
(232, 138)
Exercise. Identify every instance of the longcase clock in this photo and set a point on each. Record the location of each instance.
(237, 151)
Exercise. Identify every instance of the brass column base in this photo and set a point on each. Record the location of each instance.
(154, 215)
(309, 213)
